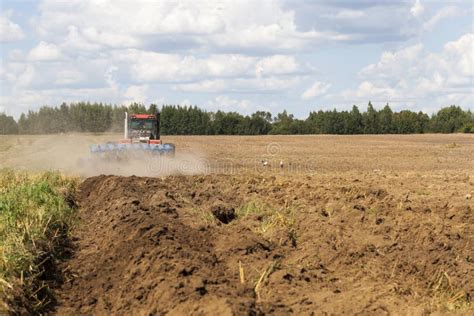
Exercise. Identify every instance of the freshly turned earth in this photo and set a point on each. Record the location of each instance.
(371, 244)
(361, 224)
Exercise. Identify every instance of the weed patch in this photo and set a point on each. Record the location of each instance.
(36, 213)
(275, 222)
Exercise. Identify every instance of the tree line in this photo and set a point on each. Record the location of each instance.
(191, 120)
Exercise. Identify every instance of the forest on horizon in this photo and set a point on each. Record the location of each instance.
(192, 120)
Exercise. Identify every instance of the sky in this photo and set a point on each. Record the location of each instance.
(242, 56)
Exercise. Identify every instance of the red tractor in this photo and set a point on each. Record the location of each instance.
(141, 135)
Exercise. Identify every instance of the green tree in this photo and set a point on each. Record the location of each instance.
(282, 123)
(406, 122)
(451, 119)
(191, 120)
(152, 109)
(385, 120)
(259, 123)
(370, 120)
(8, 125)
(355, 123)
(137, 108)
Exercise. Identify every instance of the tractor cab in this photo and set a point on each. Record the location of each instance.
(142, 128)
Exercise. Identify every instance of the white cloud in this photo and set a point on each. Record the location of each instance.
(75, 42)
(109, 39)
(316, 89)
(223, 25)
(150, 66)
(225, 103)
(370, 91)
(212, 86)
(44, 52)
(20, 74)
(136, 94)
(25, 99)
(119, 51)
(417, 9)
(9, 31)
(239, 85)
(443, 13)
(362, 21)
(36, 74)
(214, 73)
(460, 55)
(398, 62)
(412, 75)
(15, 55)
(146, 66)
(185, 102)
(277, 64)
(350, 14)
(69, 76)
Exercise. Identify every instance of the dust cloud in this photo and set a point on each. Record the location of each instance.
(181, 164)
(69, 153)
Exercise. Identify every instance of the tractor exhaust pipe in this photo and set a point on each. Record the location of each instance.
(125, 133)
(158, 127)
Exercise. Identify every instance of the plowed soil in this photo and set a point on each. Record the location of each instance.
(370, 224)
(369, 243)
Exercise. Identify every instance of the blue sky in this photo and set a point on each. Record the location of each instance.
(238, 55)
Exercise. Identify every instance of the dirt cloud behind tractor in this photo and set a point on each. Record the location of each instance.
(70, 153)
(181, 164)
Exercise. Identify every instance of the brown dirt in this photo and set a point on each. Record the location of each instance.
(363, 242)
(368, 224)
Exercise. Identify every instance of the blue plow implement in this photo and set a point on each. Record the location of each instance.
(124, 148)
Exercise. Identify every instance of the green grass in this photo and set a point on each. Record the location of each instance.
(204, 215)
(36, 214)
(272, 218)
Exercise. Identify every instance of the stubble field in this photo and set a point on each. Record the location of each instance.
(348, 224)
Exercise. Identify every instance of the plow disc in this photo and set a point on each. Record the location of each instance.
(116, 150)
(115, 158)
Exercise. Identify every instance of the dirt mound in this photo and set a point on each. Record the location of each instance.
(220, 244)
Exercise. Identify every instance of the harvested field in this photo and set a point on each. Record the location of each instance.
(361, 224)
(235, 154)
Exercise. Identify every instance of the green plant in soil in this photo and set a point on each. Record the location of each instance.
(271, 218)
(36, 213)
